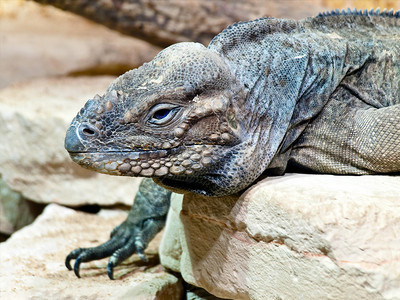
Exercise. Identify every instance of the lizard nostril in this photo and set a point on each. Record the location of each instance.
(88, 131)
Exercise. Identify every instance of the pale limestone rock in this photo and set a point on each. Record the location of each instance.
(34, 117)
(32, 261)
(40, 41)
(292, 237)
(171, 248)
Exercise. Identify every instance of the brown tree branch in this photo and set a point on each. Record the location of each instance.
(162, 22)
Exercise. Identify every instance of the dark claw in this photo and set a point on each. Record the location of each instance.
(142, 256)
(110, 270)
(72, 255)
(68, 262)
(76, 266)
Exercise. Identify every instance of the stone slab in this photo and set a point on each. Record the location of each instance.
(290, 237)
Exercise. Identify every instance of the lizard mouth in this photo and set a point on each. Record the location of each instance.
(126, 163)
(139, 154)
(179, 161)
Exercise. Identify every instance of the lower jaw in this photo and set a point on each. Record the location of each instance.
(199, 185)
(180, 184)
(165, 173)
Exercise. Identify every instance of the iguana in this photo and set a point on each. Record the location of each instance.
(266, 96)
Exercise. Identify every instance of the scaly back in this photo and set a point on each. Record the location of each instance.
(290, 68)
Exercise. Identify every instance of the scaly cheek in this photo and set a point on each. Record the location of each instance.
(213, 130)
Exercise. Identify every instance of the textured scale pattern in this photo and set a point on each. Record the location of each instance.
(365, 139)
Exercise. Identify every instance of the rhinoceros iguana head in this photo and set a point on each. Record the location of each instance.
(177, 118)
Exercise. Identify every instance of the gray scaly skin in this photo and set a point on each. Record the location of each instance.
(267, 96)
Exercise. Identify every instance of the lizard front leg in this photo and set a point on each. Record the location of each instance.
(350, 136)
(146, 218)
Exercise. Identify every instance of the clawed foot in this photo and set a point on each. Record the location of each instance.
(146, 217)
(126, 239)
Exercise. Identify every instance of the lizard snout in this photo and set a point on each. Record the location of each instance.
(77, 135)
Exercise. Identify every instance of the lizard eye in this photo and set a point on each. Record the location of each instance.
(163, 113)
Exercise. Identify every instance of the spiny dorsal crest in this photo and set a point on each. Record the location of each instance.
(252, 31)
(344, 18)
(366, 13)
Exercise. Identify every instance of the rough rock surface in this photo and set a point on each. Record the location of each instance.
(15, 211)
(291, 237)
(38, 41)
(32, 262)
(34, 117)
